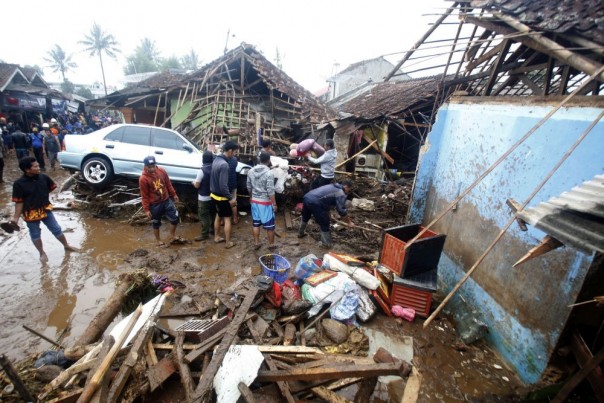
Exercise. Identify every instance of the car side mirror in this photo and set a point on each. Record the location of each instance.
(187, 147)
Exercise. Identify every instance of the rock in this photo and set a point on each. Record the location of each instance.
(47, 373)
(336, 331)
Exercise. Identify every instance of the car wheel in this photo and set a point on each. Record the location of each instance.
(97, 171)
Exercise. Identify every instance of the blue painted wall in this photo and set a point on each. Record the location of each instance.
(525, 308)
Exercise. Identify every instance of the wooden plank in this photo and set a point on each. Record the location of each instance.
(162, 371)
(329, 396)
(590, 365)
(412, 387)
(583, 355)
(205, 346)
(185, 372)
(334, 372)
(95, 381)
(126, 369)
(496, 67)
(14, 377)
(246, 393)
(283, 387)
(205, 383)
(289, 337)
(290, 350)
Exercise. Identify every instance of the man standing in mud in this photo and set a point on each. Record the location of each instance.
(158, 198)
(220, 193)
(204, 201)
(261, 187)
(31, 196)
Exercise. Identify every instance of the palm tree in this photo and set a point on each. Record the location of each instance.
(149, 49)
(59, 61)
(98, 42)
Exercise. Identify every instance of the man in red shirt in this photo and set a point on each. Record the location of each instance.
(158, 198)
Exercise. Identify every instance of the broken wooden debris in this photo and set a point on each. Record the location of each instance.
(205, 383)
(14, 377)
(103, 319)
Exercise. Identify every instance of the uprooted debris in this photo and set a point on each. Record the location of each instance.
(254, 322)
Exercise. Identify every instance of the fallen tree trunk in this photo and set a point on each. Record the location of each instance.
(103, 319)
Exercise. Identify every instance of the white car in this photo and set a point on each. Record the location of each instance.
(120, 150)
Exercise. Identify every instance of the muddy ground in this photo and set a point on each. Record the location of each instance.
(59, 298)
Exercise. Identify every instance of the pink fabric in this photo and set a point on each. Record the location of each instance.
(405, 313)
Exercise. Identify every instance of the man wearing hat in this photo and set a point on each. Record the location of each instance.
(158, 198)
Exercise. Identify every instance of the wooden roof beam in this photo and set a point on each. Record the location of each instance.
(545, 45)
(496, 68)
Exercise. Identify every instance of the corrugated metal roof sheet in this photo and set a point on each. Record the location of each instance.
(581, 17)
(575, 217)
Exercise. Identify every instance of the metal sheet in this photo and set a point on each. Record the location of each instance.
(575, 217)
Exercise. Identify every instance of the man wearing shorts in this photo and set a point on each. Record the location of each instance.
(261, 187)
(220, 193)
(158, 198)
(31, 196)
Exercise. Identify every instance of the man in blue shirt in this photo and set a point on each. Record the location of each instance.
(318, 202)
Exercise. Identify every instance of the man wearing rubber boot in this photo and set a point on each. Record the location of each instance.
(318, 202)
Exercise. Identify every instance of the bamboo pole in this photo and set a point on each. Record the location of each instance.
(420, 41)
(512, 220)
(503, 157)
(157, 109)
(360, 152)
(94, 383)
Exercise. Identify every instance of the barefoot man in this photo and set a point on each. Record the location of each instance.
(31, 196)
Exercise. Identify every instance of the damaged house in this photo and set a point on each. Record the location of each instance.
(240, 96)
(510, 169)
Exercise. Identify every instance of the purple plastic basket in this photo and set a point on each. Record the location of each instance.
(275, 266)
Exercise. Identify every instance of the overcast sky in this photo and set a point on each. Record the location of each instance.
(312, 36)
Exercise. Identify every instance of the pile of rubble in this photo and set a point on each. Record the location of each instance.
(265, 338)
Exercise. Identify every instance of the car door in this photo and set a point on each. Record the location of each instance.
(128, 146)
(170, 153)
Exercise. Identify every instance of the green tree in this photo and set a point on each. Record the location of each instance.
(171, 62)
(144, 59)
(59, 61)
(190, 61)
(84, 92)
(67, 87)
(99, 42)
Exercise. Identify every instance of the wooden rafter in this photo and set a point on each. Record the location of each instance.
(496, 68)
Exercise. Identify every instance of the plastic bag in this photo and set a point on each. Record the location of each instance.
(346, 308)
(367, 309)
(306, 266)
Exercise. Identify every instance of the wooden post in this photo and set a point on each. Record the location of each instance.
(15, 379)
(185, 372)
(108, 312)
